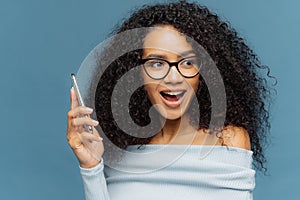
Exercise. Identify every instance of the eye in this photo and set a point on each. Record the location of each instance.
(189, 63)
(155, 64)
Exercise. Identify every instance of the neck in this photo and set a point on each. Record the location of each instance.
(174, 131)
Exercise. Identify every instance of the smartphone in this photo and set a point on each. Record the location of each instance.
(80, 100)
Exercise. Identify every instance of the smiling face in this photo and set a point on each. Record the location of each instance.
(173, 93)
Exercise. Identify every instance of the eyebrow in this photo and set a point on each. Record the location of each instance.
(162, 56)
(186, 53)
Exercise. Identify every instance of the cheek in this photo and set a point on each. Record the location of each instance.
(151, 91)
(146, 79)
(194, 83)
(151, 87)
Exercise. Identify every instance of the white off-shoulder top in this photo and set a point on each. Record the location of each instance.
(176, 172)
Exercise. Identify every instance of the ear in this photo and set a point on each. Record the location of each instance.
(236, 137)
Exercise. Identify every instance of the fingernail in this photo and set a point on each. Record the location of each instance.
(95, 122)
(100, 138)
(88, 109)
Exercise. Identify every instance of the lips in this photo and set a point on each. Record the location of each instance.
(172, 98)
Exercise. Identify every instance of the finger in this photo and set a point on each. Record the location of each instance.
(78, 111)
(83, 120)
(86, 136)
(73, 99)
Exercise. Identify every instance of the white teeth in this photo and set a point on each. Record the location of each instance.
(174, 93)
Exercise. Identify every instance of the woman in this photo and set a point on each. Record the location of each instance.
(172, 72)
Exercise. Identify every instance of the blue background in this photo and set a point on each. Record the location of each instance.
(42, 42)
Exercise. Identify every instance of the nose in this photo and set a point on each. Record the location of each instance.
(173, 77)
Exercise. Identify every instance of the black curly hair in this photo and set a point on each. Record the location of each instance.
(247, 91)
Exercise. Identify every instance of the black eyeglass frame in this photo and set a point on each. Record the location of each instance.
(176, 64)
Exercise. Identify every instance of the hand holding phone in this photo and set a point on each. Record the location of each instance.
(83, 138)
(80, 100)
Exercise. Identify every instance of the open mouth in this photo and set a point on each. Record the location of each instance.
(172, 96)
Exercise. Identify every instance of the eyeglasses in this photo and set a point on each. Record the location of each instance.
(157, 68)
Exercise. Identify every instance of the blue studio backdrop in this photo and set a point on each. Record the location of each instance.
(42, 42)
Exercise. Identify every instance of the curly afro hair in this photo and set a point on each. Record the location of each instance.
(247, 92)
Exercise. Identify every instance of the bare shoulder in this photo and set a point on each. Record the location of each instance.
(236, 137)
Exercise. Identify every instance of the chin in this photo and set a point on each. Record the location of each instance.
(171, 114)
